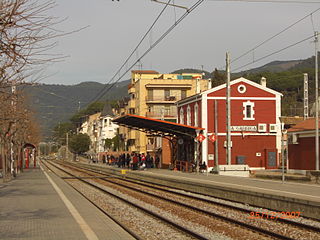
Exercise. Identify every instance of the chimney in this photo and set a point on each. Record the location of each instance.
(209, 83)
(198, 85)
(263, 82)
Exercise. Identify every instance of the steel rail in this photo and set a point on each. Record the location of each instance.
(153, 185)
(162, 218)
(215, 215)
(123, 226)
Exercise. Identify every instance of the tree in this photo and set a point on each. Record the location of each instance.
(26, 34)
(91, 109)
(59, 132)
(112, 144)
(79, 143)
(218, 78)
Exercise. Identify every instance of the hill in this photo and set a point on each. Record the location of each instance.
(57, 103)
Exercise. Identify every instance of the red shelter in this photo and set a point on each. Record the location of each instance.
(255, 123)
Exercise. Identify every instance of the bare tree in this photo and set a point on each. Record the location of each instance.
(27, 35)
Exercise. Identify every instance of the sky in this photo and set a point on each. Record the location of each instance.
(112, 29)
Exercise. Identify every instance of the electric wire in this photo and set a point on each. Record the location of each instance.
(134, 50)
(268, 1)
(267, 40)
(274, 36)
(278, 51)
(193, 7)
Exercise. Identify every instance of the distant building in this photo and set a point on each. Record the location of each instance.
(106, 128)
(301, 147)
(90, 127)
(154, 95)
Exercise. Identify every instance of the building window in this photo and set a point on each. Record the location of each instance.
(167, 110)
(248, 110)
(183, 94)
(196, 115)
(150, 94)
(166, 94)
(131, 111)
(242, 88)
(181, 116)
(188, 115)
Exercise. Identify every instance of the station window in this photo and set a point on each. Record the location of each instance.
(248, 110)
(196, 112)
(181, 116)
(188, 115)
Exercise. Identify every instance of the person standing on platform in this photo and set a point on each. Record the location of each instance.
(148, 164)
(157, 161)
(135, 161)
(143, 159)
(128, 159)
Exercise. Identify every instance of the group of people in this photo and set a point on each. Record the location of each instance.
(134, 161)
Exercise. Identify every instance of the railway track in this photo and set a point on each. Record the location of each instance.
(185, 232)
(230, 219)
(193, 195)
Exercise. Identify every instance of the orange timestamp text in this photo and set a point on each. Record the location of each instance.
(274, 215)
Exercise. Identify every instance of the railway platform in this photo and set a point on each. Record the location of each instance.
(38, 205)
(271, 194)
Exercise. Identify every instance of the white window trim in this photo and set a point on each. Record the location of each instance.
(189, 115)
(196, 115)
(181, 116)
(251, 104)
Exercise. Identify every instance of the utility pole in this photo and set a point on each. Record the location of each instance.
(283, 133)
(317, 101)
(67, 147)
(13, 105)
(216, 146)
(228, 148)
(305, 96)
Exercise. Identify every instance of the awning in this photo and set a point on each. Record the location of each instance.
(156, 127)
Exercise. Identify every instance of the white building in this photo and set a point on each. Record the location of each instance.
(106, 128)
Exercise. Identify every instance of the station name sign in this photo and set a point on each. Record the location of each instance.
(244, 128)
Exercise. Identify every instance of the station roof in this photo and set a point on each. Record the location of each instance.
(156, 127)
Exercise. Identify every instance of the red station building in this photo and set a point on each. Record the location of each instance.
(255, 123)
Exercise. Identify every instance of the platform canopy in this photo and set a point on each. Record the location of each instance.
(156, 127)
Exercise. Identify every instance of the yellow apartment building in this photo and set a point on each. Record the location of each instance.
(153, 95)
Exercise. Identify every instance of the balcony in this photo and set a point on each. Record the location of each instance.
(172, 99)
(151, 147)
(164, 114)
(131, 88)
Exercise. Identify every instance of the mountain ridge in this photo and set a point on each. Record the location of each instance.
(56, 103)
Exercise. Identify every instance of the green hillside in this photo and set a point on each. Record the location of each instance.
(57, 103)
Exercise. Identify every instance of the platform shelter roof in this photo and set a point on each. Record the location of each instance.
(156, 126)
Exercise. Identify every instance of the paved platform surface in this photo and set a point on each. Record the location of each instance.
(304, 191)
(30, 208)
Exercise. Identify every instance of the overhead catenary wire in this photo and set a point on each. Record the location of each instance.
(274, 36)
(133, 51)
(268, 1)
(267, 40)
(192, 8)
(278, 51)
